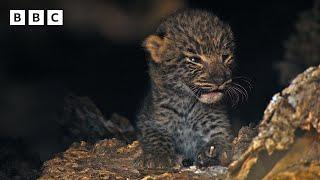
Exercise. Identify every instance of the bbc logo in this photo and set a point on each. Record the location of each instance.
(36, 17)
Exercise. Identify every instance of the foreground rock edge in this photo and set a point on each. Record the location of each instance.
(287, 145)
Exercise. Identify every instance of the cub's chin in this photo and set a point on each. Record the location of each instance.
(211, 97)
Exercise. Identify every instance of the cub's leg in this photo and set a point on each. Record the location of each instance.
(158, 149)
(217, 150)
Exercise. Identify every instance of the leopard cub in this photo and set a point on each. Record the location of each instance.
(183, 115)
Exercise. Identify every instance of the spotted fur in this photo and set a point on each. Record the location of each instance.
(190, 69)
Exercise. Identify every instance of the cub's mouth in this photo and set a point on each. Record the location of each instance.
(210, 93)
(210, 96)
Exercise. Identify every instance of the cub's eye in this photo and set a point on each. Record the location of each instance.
(194, 59)
(227, 59)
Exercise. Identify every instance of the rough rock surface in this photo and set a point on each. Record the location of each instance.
(287, 146)
(83, 121)
(243, 140)
(112, 159)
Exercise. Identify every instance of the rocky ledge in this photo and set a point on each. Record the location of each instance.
(286, 146)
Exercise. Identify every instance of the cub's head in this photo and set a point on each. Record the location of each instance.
(192, 51)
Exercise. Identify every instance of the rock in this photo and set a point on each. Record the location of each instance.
(284, 146)
(83, 121)
(302, 47)
(107, 159)
(288, 141)
(121, 128)
(113, 159)
(241, 143)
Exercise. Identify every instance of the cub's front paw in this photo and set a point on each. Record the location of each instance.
(156, 161)
(213, 155)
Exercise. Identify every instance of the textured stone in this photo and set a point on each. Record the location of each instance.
(286, 146)
(288, 141)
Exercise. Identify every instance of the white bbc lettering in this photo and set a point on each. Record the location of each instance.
(55, 17)
(17, 17)
(36, 17)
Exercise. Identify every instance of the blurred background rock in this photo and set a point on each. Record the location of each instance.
(302, 48)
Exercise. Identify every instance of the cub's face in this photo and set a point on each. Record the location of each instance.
(197, 55)
(206, 75)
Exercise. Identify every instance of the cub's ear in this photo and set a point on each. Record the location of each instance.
(154, 45)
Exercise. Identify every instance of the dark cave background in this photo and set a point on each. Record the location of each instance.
(39, 65)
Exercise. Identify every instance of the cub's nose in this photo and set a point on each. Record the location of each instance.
(218, 73)
(220, 76)
(218, 80)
